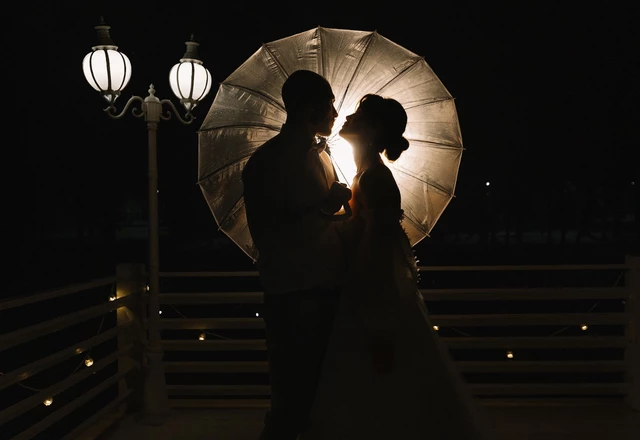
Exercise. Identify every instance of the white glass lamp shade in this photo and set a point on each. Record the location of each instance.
(190, 82)
(107, 70)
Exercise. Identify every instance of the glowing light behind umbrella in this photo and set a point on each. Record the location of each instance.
(248, 110)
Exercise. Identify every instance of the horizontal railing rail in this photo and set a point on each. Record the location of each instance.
(219, 335)
(105, 362)
(478, 343)
(513, 294)
(19, 301)
(37, 399)
(30, 333)
(473, 320)
(35, 367)
(215, 351)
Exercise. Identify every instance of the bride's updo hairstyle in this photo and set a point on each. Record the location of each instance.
(389, 120)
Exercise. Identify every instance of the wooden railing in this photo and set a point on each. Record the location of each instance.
(45, 396)
(543, 344)
(518, 333)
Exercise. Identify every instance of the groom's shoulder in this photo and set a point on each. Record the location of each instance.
(263, 158)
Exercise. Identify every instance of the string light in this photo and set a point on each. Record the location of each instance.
(509, 353)
(203, 333)
(88, 361)
(159, 312)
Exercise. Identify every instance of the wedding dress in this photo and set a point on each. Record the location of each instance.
(386, 373)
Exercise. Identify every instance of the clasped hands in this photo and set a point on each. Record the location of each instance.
(339, 195)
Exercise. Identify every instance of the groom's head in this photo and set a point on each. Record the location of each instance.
(308, 99)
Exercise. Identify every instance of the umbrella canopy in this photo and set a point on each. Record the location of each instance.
(248, 110)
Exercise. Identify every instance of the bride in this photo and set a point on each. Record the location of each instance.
(386, 375)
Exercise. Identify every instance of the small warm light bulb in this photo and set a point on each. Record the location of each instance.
(202, 336)
(584, 327)
(112, 298)
(436, 328)
(159, 312)
(510, 354)
(147, 287)
(88, 362)
(48, 401)
(257, 314)
(488, 183)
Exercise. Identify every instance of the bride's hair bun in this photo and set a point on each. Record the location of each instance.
(395, 147)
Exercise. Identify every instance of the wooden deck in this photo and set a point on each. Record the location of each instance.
(548, 422)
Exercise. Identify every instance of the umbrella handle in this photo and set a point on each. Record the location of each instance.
(340, 217)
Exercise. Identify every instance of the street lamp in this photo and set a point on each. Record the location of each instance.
(108, 71)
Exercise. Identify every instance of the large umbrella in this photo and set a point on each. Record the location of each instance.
(248, 110)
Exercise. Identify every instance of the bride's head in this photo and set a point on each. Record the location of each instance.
(377, 126)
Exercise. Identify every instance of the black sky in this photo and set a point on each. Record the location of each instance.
(544, 92)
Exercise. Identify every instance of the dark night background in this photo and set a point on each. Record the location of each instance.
(547, 97)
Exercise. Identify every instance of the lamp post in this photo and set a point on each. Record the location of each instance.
(108, 71)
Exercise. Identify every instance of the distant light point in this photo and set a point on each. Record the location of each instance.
(488, 183)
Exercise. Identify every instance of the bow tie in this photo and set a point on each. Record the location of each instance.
(319, 146)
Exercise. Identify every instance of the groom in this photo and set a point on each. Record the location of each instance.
(290, 186)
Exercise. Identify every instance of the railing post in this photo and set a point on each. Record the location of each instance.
(633, 330)
(130, 281)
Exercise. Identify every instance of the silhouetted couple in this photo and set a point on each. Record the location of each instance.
(351, 350)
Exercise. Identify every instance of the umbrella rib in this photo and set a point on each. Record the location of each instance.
(233, 209)
(226, 165)
(425, 104)
(285, 75)
(256, 93)
(399, 75)
(355, 71)
(427, 182)
(321, 58)
(415, 223)
(252, 125)
(439, 145)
